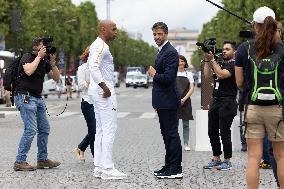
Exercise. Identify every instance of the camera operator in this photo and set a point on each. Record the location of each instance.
(224, 105)
(32, 69)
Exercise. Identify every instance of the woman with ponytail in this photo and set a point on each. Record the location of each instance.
(254, 65)
(87, 108)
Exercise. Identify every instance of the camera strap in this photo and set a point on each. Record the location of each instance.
(56, 115)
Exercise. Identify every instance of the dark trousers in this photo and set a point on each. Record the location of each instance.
(218, 121)
(272, 160)
(169, 129)
(89, 115)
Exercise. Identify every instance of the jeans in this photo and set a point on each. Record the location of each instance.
(33, 115)
(266, 148)
(89, 115)
(185, 124)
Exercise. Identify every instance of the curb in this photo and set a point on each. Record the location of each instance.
(8, 109)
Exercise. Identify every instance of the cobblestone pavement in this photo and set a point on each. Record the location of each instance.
(138, 151)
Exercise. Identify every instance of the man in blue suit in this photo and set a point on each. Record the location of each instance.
(165, 101)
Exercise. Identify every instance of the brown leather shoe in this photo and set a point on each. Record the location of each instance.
(23, 166)
(47, 164)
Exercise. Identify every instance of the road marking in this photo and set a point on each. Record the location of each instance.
(66, 114)
(148, 115)
(10, 112)
(122, 114)
(138, 96)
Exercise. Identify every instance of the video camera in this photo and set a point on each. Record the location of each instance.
(47, 42)
(209, 45)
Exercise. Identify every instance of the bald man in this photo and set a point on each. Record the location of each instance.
(102, 93)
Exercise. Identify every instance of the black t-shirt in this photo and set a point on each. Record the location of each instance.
(225, 87)
(32, 84)
(242, 60)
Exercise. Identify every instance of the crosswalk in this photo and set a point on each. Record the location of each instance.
(120, 115)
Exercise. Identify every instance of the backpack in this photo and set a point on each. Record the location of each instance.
(12, 75)
(265, 78)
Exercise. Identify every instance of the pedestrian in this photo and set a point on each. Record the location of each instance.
(58, 87)
(28, 100)
(259, 65)
(165, 100)
(69, 84)
(87, 108)
(7, 97)
(242, 125)
(185, 85)
(224, 105)
(102, 93)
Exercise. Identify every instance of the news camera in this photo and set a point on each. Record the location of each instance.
(209, 45)
(47, 42)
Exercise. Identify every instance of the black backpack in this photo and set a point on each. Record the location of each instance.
(265, 78)
(12, 75)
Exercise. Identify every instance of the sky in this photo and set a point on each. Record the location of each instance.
(140, 15)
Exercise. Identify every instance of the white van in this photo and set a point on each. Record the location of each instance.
(130, 76)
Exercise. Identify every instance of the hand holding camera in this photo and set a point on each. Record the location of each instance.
(42, 51)
(52, 58)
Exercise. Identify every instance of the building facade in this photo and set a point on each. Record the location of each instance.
(184, 40)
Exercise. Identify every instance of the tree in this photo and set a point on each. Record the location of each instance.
(226, 27)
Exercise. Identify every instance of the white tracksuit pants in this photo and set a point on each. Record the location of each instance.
(106, 125)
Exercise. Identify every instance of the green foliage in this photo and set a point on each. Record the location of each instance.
(73, 28)
(226, 27)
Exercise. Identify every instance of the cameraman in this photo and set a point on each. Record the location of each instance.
(32, 69)
(224, 106)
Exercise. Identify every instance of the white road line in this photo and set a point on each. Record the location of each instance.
(122, 114)
(148, 115)
(66, 114)
(10, 112)
(138, 96)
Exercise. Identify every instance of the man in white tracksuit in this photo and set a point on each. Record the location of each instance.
(101, 90)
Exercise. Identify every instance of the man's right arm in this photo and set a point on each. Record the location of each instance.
(29, 68)
(94, 62)
(239, 64)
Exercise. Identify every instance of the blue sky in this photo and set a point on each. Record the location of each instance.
(140, 15)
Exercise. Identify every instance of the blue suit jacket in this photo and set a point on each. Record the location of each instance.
(164, 92)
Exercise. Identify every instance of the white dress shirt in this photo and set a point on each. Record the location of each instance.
(83, 77)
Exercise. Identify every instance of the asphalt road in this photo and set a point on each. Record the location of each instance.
(138, 151)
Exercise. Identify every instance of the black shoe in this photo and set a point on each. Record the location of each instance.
(169, 174)
(160, 171)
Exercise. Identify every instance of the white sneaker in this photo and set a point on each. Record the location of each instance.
(112, 174)
(187, 148)
(97, 172)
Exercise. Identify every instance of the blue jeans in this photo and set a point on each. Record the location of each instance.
(185, 125)
(33, 115)
(89, 115)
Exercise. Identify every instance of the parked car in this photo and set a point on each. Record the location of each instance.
(6, 58)
(141, 81)
(136, 69)
(51, 87)
(129, 81)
